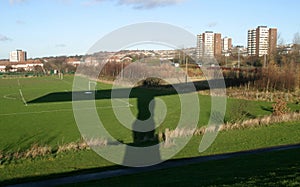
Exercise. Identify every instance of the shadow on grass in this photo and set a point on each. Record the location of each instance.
(267, 169)
(58, 175)
(268, 109)
(135, 92)
(270, 166)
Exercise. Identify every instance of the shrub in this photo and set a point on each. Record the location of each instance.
(238, 111)
(152, 82)
(37, 150)
(280, 107)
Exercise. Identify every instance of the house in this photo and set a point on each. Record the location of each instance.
(25, 65)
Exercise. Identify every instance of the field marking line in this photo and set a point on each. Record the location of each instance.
(61, 110)
(45, 104)
(8, 96)
(19, 83)
(125, 102)
(23, 99)
(55, 103)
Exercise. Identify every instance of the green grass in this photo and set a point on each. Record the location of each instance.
(53, 123)
(230, 141)
(49, 120)
(24, 126)
(264, 169)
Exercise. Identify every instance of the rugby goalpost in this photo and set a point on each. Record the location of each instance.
(92, 86)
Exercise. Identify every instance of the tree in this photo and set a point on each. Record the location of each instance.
(296, 42)
(296, 39)
(21, 70)
(280, 40)
(59, 63)
(38, 69)
(8, 68)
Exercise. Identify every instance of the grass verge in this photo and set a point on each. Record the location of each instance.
(264, 169)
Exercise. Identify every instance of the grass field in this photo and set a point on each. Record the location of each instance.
(39, 111)
(264, 169)
(51, 122)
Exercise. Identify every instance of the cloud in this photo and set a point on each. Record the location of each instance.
(60, 45)
(4, 38)
(20, 22)
(141, 4)
(137, 4)
(212, 24)
(16, 1)
(148, 4)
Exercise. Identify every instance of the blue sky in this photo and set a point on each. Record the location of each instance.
(69, 27)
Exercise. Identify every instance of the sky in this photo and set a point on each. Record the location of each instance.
(69, 27)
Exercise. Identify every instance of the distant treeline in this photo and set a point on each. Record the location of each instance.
(270, 78)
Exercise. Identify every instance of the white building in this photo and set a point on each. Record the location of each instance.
(226, 45)
(13, 56)
(208, 43)
(18, 56)
(199, 45)
(205, 44)
(26, 66)
(263, 40)
(252, 42)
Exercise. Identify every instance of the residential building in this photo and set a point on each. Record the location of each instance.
(18, 56)
(217, 44)
(199, 45)
(272, 41)
(209, 44)
(262, 41)
(29, 65)
(226, 45)
(252, 42)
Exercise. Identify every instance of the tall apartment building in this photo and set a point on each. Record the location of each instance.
(217, 44)
(272, 41)
(199, 45)
(209, 44)
(18, 56)
(252, 42)
(226, 44)
(262, 41)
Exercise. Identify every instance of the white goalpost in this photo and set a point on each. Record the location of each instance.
(92, 86)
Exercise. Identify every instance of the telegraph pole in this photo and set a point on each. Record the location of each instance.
(239, 59)
(186, 69)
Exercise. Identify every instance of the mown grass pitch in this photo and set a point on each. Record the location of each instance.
(49, 121)
(47, 117)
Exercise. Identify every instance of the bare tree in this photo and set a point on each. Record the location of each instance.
(296, 42)
(296, 39)
(280, 40)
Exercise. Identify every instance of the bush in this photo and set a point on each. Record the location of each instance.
(238, 111)
(152, 82)
(280, 107)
